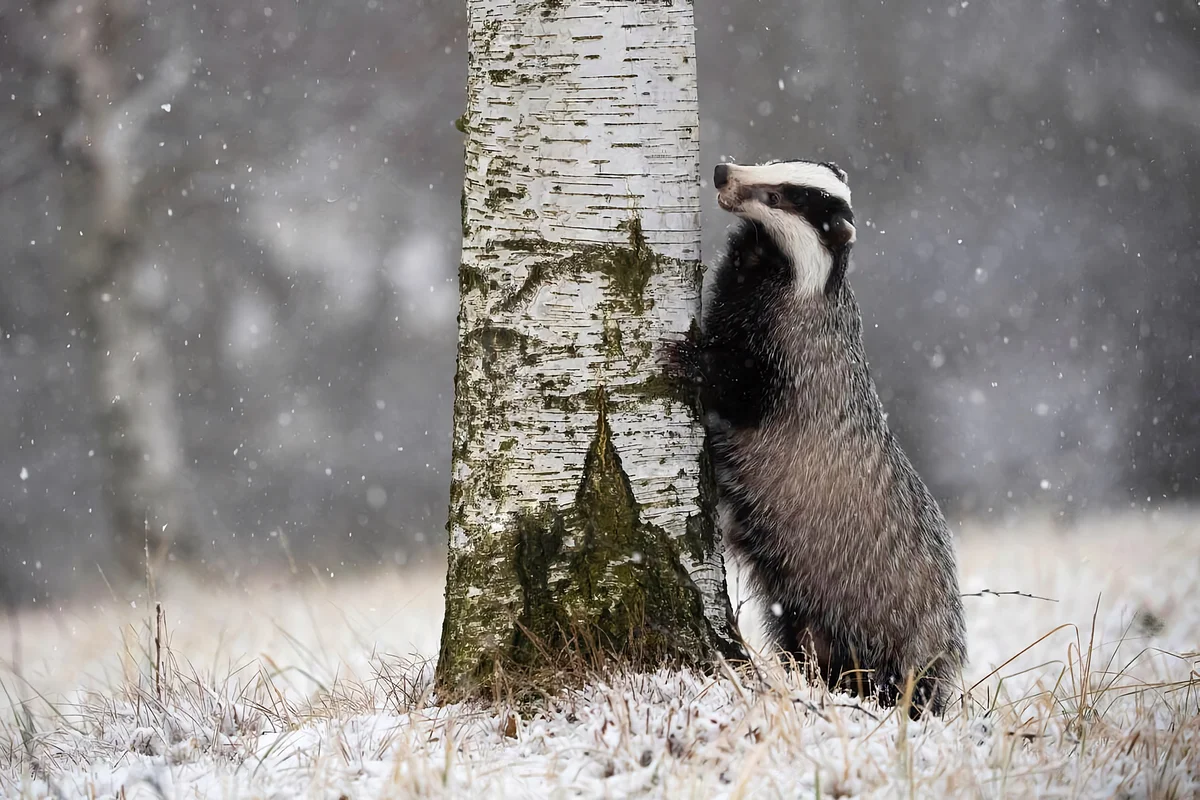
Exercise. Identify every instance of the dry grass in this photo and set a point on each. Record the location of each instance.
(322, 689)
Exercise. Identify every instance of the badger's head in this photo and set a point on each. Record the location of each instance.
(803, 206)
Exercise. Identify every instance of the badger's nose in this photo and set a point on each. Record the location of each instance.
(721, 176)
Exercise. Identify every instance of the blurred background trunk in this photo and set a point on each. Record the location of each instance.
(122, 295)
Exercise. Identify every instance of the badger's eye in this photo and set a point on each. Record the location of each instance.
(772, 198)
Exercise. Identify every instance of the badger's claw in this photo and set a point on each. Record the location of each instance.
(680, 360)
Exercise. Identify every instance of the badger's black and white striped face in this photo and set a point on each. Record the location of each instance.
(803, 205)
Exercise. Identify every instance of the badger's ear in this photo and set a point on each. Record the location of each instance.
(841, 230)
(838, 171)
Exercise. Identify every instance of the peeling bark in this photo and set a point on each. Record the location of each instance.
(580, 501)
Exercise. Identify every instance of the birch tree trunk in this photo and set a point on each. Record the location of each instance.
(122, 296)
(581, 510)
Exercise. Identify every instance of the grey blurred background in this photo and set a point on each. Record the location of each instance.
(1025, 175)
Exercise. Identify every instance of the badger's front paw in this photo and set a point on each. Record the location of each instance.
(680, 360)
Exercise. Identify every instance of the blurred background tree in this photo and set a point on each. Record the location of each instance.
(1026, 173)
(102, 109)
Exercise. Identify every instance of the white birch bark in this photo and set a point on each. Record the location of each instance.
(581, 245)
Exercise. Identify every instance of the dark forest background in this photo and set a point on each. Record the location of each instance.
(281, 290)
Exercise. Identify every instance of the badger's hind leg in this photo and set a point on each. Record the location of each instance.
(845, 670)
(838, 665)
(807, 644)
(930, 688)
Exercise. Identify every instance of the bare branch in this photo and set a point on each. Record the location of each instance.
(1013, 593)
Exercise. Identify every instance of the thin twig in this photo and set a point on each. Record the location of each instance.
(160, 632)
(1013, 593)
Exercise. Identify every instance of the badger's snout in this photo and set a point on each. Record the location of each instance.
(728, 189)
(721, 176)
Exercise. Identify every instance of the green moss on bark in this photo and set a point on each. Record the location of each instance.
(628, 268)
(540, 535)
(628, 583)
(471, 279)
(598, 584)
(660, 387)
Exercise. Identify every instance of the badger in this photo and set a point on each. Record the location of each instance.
(847, 550)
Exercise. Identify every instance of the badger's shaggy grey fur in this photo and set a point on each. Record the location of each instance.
(846, 546)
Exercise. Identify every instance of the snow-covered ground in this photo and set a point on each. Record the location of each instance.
(320, 689)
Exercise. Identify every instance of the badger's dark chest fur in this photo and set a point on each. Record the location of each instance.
(842, 538)
(776, 360)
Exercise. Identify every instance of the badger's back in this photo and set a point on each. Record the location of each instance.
(842, 536)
